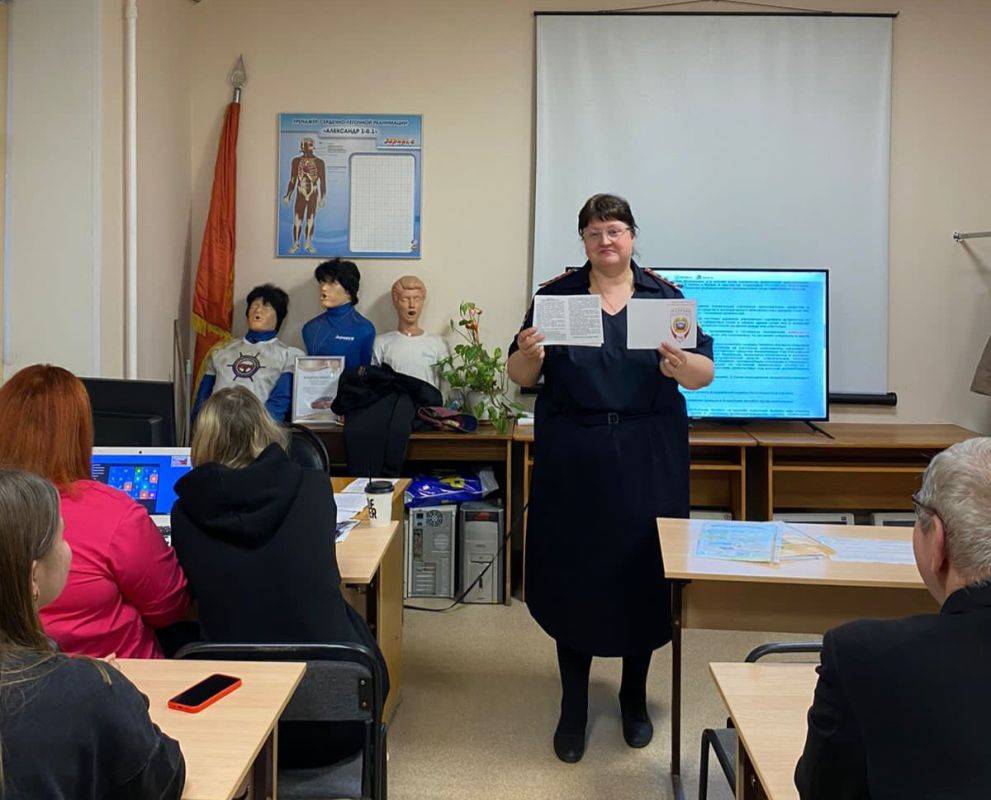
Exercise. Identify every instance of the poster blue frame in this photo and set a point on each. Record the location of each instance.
(336, 138)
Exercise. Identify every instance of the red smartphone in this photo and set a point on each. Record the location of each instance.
(207, 692)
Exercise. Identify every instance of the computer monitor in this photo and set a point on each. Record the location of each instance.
(771, 341)
(147, 474)
(132, 413)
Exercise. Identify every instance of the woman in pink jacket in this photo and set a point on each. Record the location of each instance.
(124, 581)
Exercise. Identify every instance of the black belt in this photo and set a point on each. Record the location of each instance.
(606, 417)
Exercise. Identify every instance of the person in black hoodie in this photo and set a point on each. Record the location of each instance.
(69, 726)
(254, 533)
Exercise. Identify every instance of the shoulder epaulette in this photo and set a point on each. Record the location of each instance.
(567, 272)
(660, 278)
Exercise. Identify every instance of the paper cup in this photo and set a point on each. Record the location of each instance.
(379, 496)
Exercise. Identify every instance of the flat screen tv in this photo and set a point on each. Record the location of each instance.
(771, 341)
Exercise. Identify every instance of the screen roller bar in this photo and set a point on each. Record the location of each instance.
(888, 399)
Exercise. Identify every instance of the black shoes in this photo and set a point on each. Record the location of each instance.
(569, 747)
(637, 727)
(638, 730)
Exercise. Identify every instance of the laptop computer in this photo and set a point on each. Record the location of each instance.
(147, 474)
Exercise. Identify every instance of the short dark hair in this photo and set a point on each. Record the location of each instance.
(342, 272)
(273, 296)
(605, 207)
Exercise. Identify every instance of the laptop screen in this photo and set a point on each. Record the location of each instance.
(146, 475)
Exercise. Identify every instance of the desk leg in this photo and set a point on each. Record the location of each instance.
(507, 555)
(748, 785)
(388, 611)
(676, 621)
(263, 771)
(527, 469)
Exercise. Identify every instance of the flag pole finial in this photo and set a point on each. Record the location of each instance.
(237, 78)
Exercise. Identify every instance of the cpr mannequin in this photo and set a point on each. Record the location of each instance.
(340, 330)
(260, 361)
(408, 349)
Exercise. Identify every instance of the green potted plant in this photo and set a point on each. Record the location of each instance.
(476, 378)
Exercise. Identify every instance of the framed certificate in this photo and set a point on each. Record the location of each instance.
(314, 388)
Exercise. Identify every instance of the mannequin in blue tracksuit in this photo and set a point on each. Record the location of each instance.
(340, 330)
(260, 362)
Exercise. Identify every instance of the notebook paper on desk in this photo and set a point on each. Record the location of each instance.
(348, 504)
(870, 551)
(739, 541)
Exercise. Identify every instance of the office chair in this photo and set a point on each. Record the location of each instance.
(343, 683)
(307, 450)
(723, 741)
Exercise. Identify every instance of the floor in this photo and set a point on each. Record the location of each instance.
(480, 702)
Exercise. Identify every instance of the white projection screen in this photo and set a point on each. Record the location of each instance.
(740, 141)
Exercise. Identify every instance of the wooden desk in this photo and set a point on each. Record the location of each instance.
(768, 704)
(718, 470)
(798, 596)
(484, 446)
(224, 741)
(372, 560)
(862, 467)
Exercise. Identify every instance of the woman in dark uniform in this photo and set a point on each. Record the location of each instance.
(611, 455)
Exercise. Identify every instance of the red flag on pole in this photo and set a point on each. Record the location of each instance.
(213, 297)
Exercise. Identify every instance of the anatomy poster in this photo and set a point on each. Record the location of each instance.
(349, 185)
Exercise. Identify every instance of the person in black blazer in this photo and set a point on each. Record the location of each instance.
(901, 708)
(255, 533)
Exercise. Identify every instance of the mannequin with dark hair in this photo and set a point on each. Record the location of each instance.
(340, 330)
(260, 361)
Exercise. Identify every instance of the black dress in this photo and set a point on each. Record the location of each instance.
(610, 456)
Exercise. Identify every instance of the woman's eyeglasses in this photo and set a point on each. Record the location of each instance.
(611, 234)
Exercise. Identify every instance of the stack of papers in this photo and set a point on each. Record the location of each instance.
(348, 504)
(736, 541)
(872, 551)
(343, 529)
(773, 542)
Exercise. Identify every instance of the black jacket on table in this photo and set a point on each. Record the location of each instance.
(257, 546)
(902, 707)
(67, 731)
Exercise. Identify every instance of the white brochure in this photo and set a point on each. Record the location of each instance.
(649, 323)
(569, 319)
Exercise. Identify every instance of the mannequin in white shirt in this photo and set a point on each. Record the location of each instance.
(408, 349)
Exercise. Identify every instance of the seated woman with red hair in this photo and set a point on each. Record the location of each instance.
(124, 581)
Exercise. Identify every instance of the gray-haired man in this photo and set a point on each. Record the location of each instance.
(902, 707)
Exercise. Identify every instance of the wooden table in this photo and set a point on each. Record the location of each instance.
(846, 466)
(768, 704)
(226, 740)
(798, 596)
(372, 560)
(718, 470)
(485, 445)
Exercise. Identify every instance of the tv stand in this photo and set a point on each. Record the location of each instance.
(818, 429)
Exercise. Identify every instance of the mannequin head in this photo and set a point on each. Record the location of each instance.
(265, 308)
(408, 296)
(339, 281)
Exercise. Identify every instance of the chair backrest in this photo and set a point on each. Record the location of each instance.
(781, 648)
(343, 681)
(307, 450)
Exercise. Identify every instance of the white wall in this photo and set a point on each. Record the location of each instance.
(467, 66)
(53, 215)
